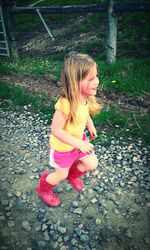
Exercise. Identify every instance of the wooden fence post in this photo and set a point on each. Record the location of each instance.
(111, 40)
(9, 24)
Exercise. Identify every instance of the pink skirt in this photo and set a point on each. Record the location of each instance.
(65, 159)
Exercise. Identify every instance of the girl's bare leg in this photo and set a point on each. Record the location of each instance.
(88, 163)
(57, 176)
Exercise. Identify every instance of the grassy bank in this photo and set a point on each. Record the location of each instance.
(115, 123)
(122, 125)
(127, 76)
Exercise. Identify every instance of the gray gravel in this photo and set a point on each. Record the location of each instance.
(112, 212)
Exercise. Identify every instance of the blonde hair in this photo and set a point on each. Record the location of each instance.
(75, 68)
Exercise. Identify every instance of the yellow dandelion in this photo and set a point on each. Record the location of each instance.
(113, 81)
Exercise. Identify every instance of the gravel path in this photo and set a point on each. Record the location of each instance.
(112, 213)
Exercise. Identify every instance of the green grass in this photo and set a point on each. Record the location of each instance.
(21, 97)
(26, 22)
(127, 76)
(122, 125)
(112, 120)
(131, 76)
(34, 66)
(91, 46)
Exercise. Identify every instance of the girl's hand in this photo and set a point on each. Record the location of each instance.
(93, 133)
(86, 147)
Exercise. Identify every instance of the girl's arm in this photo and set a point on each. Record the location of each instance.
(91, 128)
(57, 129)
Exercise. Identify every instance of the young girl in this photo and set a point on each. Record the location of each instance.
(70, 152)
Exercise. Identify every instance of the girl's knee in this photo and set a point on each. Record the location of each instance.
(94, 164)
(90, 162)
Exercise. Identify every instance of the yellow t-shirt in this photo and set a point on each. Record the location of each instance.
(75, 129)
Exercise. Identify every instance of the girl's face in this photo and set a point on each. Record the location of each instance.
(88, 85)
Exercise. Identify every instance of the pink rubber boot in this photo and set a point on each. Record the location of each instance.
(73, 177)
(44, 190)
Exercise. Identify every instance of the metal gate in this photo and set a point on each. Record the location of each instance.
(4, 48)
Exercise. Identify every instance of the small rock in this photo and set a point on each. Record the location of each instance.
(75, 204)
(98, 221)
(62, 230)
(128, 234)
(121, 183)
(146, 240)
(41, 244)
(94, 200)
(18, 194)
(84, 238)
(46, 236)
(78, 211)
(11, 223)
(44, 227)
(26, 226)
